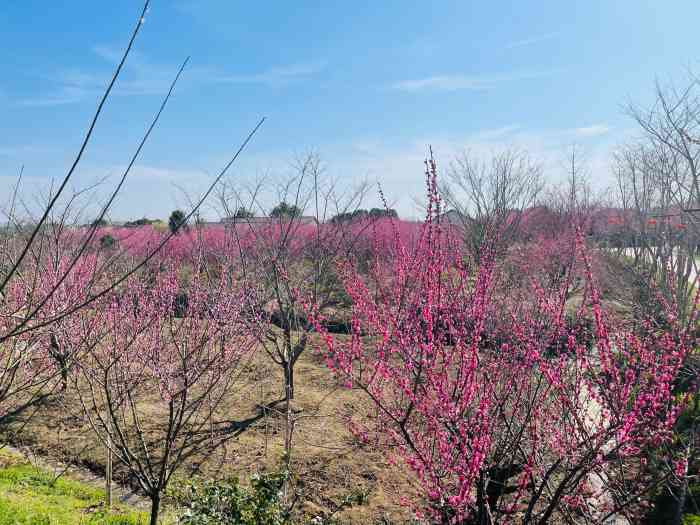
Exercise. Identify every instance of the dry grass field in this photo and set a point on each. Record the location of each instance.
(327, 463)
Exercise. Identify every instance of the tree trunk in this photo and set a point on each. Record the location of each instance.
(482, 503)
(679, 504)
(289, 381)
(64, 377)
(155, 508)
(108, 473)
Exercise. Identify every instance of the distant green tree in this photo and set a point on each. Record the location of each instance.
(107, 241)
(176, 222)
(100, 222)
(377, 213)
(349, 216)
(140, 222)
(285, 210)
(243, 213)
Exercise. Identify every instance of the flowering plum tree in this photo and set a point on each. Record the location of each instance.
(495, 427)
(23, 244)
(62, 338)
(152, 379)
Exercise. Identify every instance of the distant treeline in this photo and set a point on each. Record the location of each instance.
(374, 213)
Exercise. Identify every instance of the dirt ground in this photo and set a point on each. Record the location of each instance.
(328, 464)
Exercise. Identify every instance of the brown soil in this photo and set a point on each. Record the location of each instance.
(328, 464)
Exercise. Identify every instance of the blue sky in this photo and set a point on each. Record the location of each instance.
(367, 85)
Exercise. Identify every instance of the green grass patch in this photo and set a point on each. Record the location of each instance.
(31, 496)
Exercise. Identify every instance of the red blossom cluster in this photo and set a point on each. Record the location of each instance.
(496, 426)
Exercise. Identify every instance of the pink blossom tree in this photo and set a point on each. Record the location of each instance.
(501, 409)
(25, 240)
(153, 378)
(62, 339)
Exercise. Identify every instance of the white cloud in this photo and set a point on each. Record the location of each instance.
(594, 130)
(142, 77)
(458, 82)
(155, 190)
(276, 76)
(152, 191)
(442, 83)
(61, 96)
(399, 166)
(75, 85)
(497, 133)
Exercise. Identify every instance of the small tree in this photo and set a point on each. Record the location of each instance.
(492, 196)
(149, 359)
(285, 210)
(177, 220)
(107, 241)
(290, 263)
(659, 190)
(289, 259)
(243, 213)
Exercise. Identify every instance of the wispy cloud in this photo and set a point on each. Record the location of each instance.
(75, 85)
(111, 54)
(61, 96)
(277, 76)
(594, 130)
(532, 40)
(142, 77)
(459, 82)
(497, 133)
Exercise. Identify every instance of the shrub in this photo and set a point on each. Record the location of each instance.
(691, 519)
(227, 502)
(349, 216)
(107, 241)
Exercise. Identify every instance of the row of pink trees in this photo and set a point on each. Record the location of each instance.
(507, 400)
(150, 362)
(506, 387)
(31, 248)
(504, 411)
